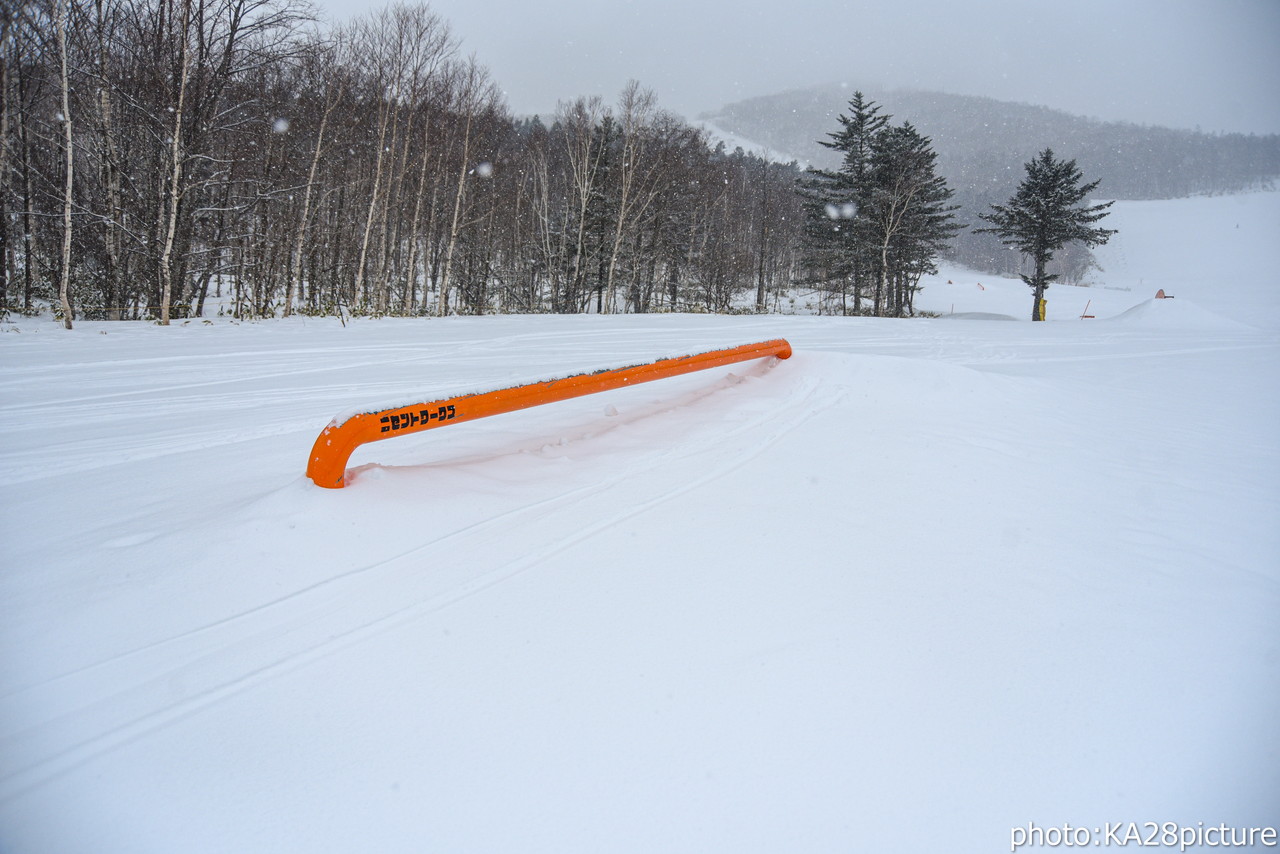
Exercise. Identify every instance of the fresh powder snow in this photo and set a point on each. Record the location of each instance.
(923, 584)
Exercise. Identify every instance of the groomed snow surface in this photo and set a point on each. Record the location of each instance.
(923, 583)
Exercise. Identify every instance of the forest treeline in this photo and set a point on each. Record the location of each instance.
(198, 145)
(157, 153)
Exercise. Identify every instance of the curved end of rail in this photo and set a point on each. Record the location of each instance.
(327, 465)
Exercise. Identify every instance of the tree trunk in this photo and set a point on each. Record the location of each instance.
(443, 306)
(386, 117)
(5, 267)
(882, 283)
(295, 260)
(113, 291)
(411, 263)
(395, 180)
(1038, 290)
(28, 190)
(764, 240)
(65, 282)
(175, 173)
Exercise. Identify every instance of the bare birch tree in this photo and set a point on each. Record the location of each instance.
(578, 122)
(333, 88)
(635, 172)
(6, 266)
(474, 93)
(64, 284)
(172, 194)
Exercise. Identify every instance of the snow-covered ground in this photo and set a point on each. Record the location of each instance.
(925, 582)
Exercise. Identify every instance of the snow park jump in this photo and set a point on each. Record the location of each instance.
(336, 443)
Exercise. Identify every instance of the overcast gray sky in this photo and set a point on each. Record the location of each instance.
(1213, 64)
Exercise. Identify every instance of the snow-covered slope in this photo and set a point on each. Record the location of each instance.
(923, 583)
(732, 140)
(1219, 252)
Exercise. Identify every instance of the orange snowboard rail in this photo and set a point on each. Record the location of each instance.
(340, 438)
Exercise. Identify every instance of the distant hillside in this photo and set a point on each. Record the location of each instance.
(982, 144)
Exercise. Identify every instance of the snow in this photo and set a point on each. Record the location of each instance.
(925, 582)
(1220, 252)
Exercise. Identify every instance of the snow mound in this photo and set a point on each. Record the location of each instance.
(1173, 313)
(977, 315)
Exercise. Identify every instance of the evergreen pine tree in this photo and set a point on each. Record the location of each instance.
(837, 249)
(856, 136)
(907, 214)
(1045, 215)
(883, 216)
